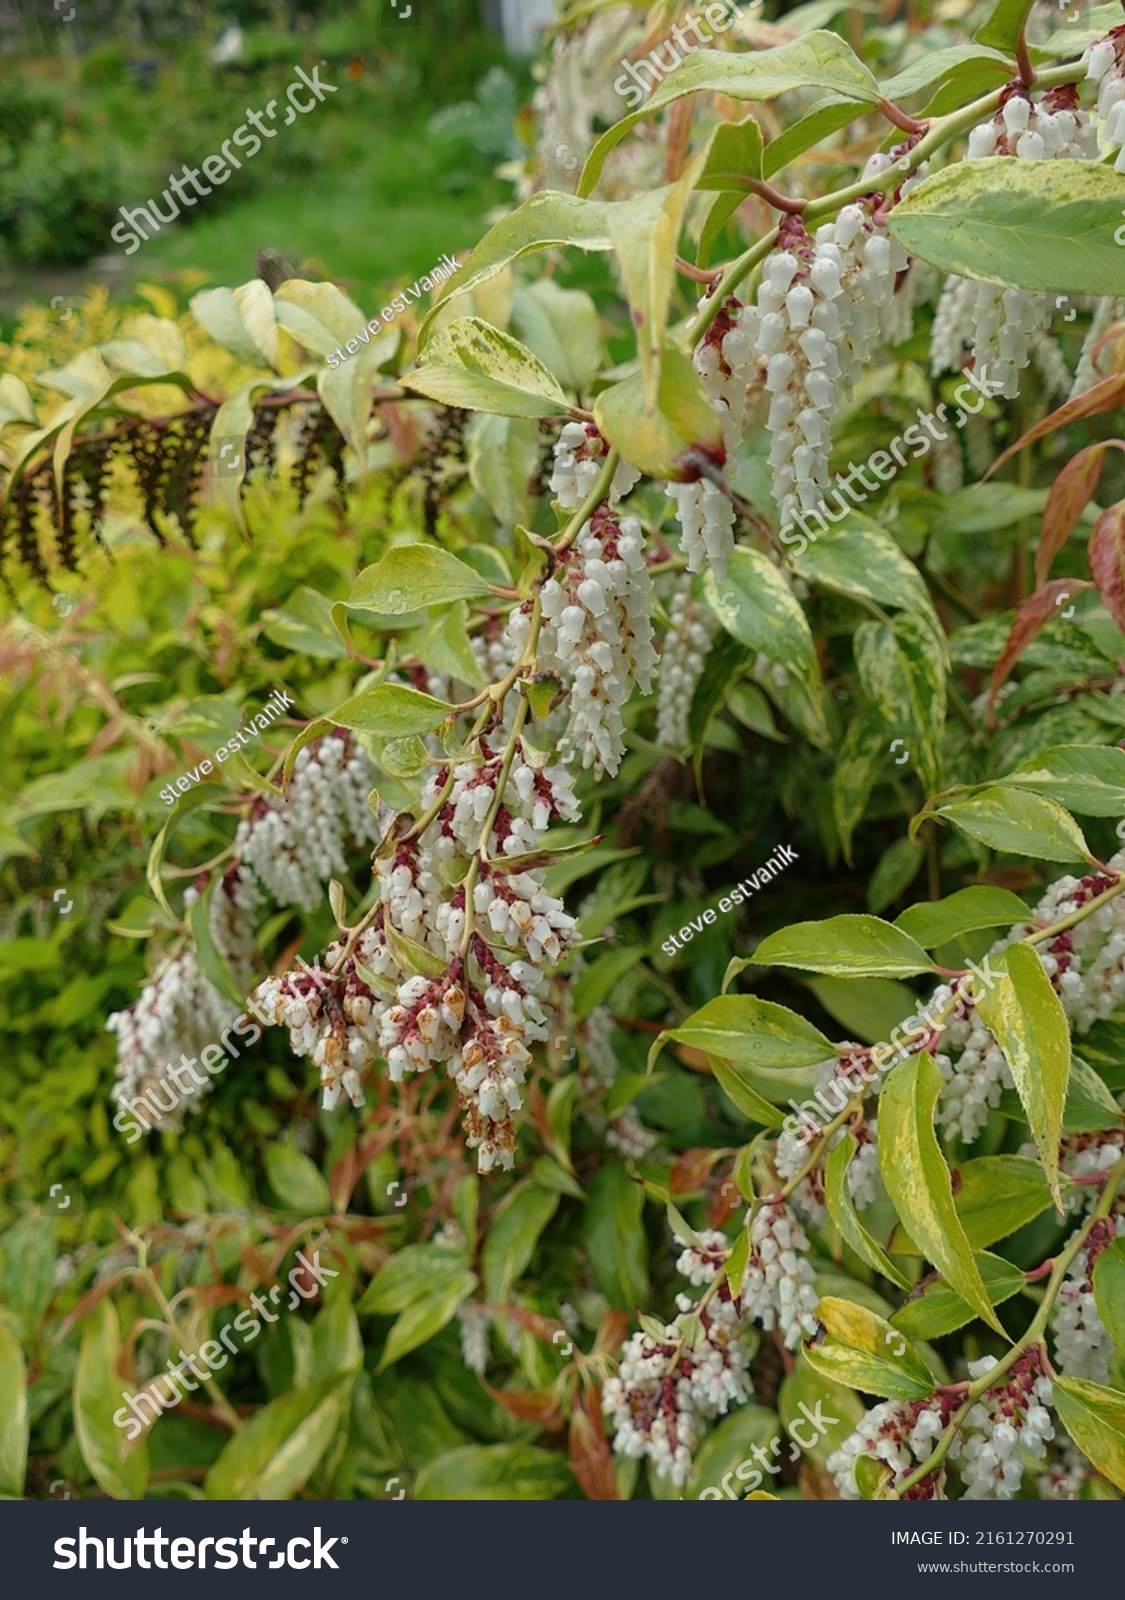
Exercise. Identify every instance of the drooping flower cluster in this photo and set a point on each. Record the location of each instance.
(1108, 313)
(725, 361)
(777, 1286)
(1082, 1342)
(973, 1065)
(1086, 969)
(666, 1387)
(1006, 1419)
(332, 1014)
(178, 1012)
(1105, 66)
(901, 1433)
(1003, 326)
(295, 845)
(816, 322)
(834, 1087)
(469, 1010)
(683, 656)
(597, 636)
(580, 451)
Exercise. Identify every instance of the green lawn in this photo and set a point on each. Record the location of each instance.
(372, 216)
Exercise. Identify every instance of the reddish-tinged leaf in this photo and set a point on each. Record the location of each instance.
(1070, 494)
(89, 1300)
(1037, 610)
(611, 1333)
(589, 1452)
(689, 1170)
(1105, 557)
(530, 1405)
(1103, 396)
(542, 1327)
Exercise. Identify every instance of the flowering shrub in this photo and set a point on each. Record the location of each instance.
(563, 665)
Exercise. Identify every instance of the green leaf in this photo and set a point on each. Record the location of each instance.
(337, 1344)
(1094, 1416)
(902, 667)
(917, 1179)
(862, 760)
(734, 153)
(296, 1180)
(1005, 24)
(938, 1310)
(820, 60)
(469, 363)
(413, 576)
(998, 1194)
(895, 870)
(495, 1472)
(277, 1452)
(657, 439)
(868, 1008)
(859, 560)
(1109, 1290)
(319, 315)
(15, 401)
(845, 946)
(392, 710)
(843, 1213)
(548, 220)
(742, 1096)
(241, 320)
(512, 1237)
(97, 1396)
(422, 1320)
(502, 455)
(863, 1351)
(1044, 225)
(838, 1410)
(728, 1446)
(771, 1050)
(597, 980)
(1026, 1017)
(645, 232)
(936, 922)
(935, 66)
(13, 1415)
(756, 605)
(410, 1276)
(1087, 778)
(614, 1234)
(304, 626)
(1018, 823)
(562, 327)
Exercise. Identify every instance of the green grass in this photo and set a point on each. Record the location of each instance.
(372, 214)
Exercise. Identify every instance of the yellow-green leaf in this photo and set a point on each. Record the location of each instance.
(98, 1395)
(1026, 1017)
(917, 1179)
(863, 1351)
(1094, 1416)
(843, 1212)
